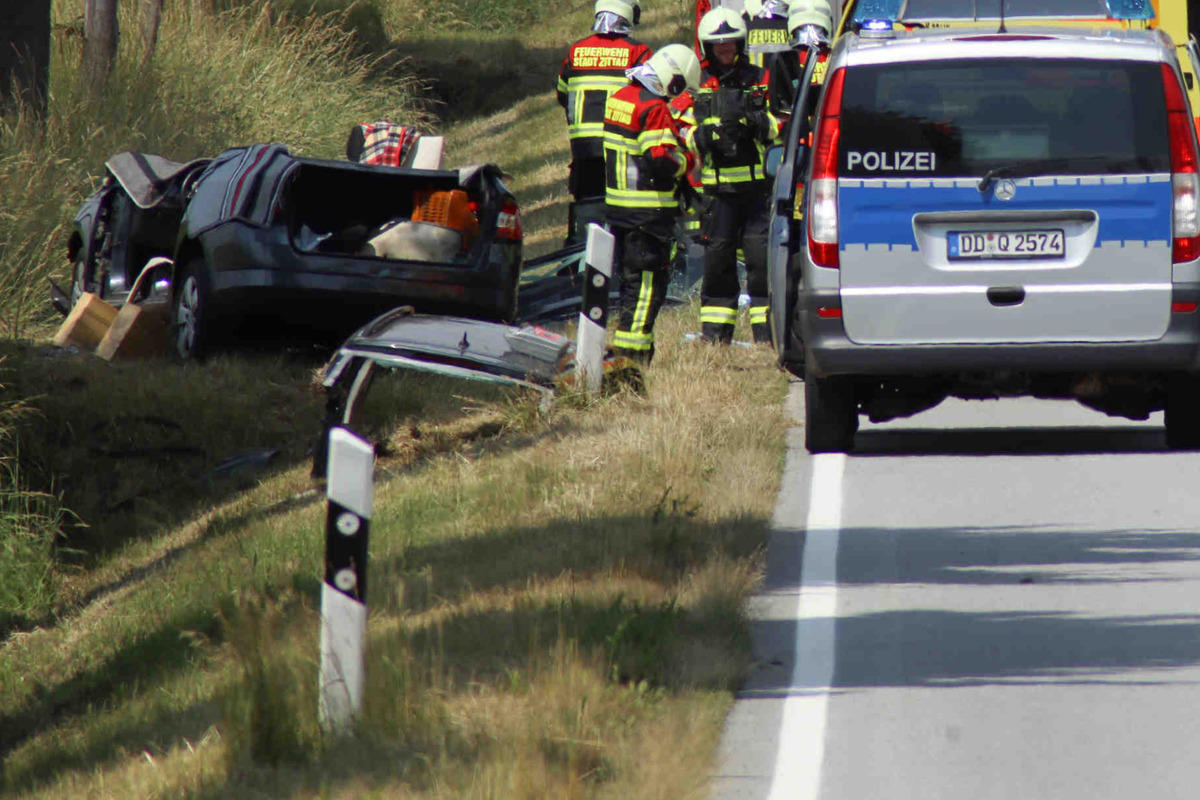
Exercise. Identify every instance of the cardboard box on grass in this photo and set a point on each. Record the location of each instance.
(138, 331)
(85, 326)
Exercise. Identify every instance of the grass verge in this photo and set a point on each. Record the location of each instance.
(557, 596)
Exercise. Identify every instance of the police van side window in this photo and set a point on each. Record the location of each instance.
(963, 118)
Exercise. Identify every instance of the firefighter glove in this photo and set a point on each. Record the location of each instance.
(759, 124)
(665, 172)
(705, 137)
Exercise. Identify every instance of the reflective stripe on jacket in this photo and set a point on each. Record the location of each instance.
(643, 156)
(593, 69)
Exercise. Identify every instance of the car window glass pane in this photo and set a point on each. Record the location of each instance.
(964, 117)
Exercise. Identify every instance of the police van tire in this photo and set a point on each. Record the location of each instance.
(830, 414)
(1182, 412)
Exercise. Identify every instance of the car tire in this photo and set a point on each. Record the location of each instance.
(830, 414)
(191, 312)
(1182, 412)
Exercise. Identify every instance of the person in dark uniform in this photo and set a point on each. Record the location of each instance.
(728, 125)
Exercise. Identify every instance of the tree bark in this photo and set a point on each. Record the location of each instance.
(151, 19)
(25, 53)
(100, 37)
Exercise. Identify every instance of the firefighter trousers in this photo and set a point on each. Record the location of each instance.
(735, 220)
(643, 254)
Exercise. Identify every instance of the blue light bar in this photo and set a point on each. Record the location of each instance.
(871, 10)
(950, 10)
(1130, 9)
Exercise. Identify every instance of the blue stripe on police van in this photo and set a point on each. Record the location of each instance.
(1129, 208)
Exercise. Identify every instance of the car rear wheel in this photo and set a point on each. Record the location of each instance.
(191, 312)
(830, 414)
(1182, 412)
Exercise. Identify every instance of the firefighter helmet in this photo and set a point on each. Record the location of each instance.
(630, 10)
(721, 25)
(810, 12)
(754, 8)
(676, 68)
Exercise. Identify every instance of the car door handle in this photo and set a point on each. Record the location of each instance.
(1006, 295)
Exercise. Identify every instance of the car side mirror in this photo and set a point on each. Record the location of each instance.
(772, 159)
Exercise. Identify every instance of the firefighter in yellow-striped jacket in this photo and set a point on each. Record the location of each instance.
(593, 69)
(728, 125)
(645, 161)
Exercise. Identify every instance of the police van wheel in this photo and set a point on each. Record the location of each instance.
(1182, 412)
(830, 414)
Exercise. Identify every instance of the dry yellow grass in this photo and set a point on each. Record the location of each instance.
(557, 597)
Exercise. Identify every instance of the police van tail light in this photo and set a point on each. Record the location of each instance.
(1185, 183)
(508, 225)
(823, 194)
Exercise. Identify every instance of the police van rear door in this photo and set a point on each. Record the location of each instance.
(1005, 200)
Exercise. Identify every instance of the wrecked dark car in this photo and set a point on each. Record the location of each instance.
(257, 241)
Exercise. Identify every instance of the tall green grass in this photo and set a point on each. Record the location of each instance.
(30, 522)
(299, 73)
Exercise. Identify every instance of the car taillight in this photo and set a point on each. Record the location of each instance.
(1185, 183)
(508, 224)
(823, 195)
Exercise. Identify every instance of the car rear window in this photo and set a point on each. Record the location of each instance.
(965, 117)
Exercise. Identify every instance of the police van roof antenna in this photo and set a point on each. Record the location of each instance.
(1002, 28)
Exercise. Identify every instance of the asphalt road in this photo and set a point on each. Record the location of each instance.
(989, 600)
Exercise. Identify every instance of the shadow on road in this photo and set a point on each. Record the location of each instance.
(1009, 441)
(1021, 639)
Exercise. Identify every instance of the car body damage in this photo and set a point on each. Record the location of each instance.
(260, 240)
(522, 356)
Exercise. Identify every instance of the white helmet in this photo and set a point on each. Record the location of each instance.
(721, 25)
(810, 12)
(630, 10)
(754, 8)
(676, 68)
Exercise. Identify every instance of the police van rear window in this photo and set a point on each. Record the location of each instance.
(965, 117)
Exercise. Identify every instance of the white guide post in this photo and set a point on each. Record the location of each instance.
(344, 592)
(593, 314)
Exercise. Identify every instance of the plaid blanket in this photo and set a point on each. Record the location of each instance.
(382, 143)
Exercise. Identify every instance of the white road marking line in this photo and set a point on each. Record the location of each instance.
(802, 735)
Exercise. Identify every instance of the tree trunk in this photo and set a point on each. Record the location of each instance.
(100, 36)
(25, 52)
(151, 18)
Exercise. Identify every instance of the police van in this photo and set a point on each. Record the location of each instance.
(992, 214)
